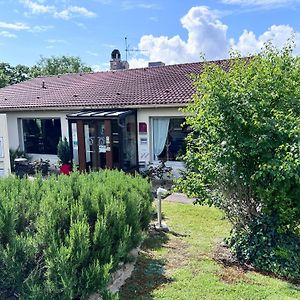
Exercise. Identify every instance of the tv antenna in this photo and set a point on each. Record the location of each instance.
(128, 50)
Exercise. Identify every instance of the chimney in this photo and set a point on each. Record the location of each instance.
(116, 63)
(156, 64)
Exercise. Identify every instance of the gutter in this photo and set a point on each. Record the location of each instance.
(72, 108)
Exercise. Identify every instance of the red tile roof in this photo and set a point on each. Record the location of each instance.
(166, 85)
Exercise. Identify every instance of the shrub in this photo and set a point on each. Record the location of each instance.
(266, 249)
(63, 151)
(243, 152)
(17, 153)
(60, 238)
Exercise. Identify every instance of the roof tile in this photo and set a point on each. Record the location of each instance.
(166, 85)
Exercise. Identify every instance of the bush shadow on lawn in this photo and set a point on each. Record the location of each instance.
(149, 272)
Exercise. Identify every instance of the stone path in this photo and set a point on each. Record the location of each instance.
(179, 198)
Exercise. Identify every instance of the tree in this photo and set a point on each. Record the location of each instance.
(11, 75)
(4, 79)
(45, 66)
(243, 154)
(56, 65)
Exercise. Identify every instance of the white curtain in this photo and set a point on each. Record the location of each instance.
(160, 133)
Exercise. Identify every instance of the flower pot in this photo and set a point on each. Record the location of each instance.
(65, 169)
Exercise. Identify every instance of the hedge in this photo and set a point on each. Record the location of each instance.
(61, 238)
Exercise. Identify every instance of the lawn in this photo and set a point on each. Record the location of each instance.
(180, 264)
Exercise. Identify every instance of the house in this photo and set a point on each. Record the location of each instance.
(116, 119)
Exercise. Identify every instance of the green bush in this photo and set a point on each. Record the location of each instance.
(17, 153)
(262, 246)
(60, 238)
(243, 152)
(63, 151)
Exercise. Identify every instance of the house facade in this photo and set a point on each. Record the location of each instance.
(122, 119)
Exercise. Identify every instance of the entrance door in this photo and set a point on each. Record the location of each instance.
(104, 139)
(97, 138)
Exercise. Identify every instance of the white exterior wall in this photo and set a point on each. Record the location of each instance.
(145, 150)
(143, 115)
(4, 147)
(15, 137)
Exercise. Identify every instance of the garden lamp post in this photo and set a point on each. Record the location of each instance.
(159, 225)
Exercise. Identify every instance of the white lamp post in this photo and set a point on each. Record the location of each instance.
(160, 225)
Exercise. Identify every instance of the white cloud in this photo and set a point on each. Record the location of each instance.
(138, 63)
(18, 26)
(69, 12)
(207, 36)
(37, 8)
(41, 28)
(248, 42)
(74, 11)
(99, 68)
(7, 34)
(14, 26)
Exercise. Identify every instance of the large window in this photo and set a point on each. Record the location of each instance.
(168, 138)
(41, 136)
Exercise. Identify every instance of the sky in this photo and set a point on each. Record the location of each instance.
(172, 31)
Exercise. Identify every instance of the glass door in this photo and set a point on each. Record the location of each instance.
(104, 139)
(95, 145)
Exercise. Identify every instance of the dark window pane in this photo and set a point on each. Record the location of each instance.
(41, 136)
(175, 143)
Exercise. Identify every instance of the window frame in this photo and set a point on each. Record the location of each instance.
(22, 133)
(169, 162)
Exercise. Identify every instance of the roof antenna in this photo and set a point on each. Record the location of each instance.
(126, 47)
(128, 50)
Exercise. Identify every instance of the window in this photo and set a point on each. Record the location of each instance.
(41, 136)
(168, 138)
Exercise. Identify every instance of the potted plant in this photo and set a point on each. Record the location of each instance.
(64, 156)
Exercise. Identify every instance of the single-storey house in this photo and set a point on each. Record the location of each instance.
(116, 119)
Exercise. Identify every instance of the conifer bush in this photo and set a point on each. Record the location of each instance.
(61, 238)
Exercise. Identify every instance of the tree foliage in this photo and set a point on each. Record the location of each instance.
(45, 66)
(56, 65)
(243, 154)
(11, 75)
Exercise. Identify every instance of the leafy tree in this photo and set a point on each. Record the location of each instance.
(10, 75)
(45, 66)
(56, 65)
(243, 154)
(20, 73)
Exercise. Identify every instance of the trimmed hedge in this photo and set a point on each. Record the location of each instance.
(60, 238)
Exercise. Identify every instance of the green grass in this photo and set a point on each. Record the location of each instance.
(180, 264)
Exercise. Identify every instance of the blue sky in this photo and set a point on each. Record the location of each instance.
(173, 31)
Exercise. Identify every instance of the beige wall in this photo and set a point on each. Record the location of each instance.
(4, 155)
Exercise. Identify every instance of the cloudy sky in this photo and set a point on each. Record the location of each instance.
(172, 31)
